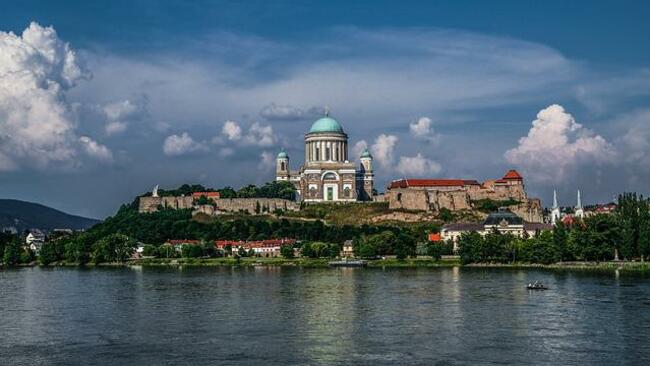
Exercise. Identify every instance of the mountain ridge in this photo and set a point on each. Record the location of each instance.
(22, 215)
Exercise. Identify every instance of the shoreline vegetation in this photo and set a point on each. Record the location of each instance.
(609, 266)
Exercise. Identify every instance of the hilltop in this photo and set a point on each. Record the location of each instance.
(23, 215)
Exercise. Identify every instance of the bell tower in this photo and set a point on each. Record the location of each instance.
(282, 166)
(366, 176)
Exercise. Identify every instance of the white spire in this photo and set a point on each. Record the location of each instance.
(555, 212)
(579, 211)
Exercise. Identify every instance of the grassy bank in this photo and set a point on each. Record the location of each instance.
(628, 267)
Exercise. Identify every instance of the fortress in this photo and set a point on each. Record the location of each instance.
(432, 195)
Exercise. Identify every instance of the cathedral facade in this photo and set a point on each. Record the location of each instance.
(328, 175)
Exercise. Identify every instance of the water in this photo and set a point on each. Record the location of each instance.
(279, 316)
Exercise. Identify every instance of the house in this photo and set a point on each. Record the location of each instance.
(35, 240)
(504, 221)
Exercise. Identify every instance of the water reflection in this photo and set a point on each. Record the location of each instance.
(281, 316)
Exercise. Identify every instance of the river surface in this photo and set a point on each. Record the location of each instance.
(294, 316)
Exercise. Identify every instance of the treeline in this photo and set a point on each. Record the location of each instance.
(274, 189)
(601, 237)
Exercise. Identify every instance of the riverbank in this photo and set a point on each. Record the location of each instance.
(641, 267)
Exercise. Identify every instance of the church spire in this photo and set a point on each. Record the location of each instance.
(579, 205)
(555, 212)
(554, 199)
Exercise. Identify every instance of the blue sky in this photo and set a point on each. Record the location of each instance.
(436, 89)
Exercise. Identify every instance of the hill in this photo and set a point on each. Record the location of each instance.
(23, 215)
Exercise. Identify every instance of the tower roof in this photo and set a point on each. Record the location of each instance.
(283, 155)
(326, 124)
(513, 175)
(366, 154)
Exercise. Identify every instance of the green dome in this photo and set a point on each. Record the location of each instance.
(283, 155)
(326, 124)
(366, 154)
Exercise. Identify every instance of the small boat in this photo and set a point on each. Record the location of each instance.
(348, 263)
(536, 286)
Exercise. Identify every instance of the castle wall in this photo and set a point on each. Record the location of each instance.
(151, 204)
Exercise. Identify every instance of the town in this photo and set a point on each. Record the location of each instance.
(433, 218)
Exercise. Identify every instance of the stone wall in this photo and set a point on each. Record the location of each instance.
(151, 204)
(422, 199)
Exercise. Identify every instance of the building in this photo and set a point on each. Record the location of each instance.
(327, 173)
(263, 248)
(567, 218)
(432, 195)
(35, 240)
(504, 221)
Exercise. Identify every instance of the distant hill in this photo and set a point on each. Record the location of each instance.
(23, 215)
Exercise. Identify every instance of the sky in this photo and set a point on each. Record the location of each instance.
(101, 101)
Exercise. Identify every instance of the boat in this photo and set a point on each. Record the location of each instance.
(536, 286)
(348, 263)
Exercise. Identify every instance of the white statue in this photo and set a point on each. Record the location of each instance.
(154, 193)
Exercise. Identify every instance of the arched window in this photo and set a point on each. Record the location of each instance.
(399, 197)
(282, 166)
(330, 176)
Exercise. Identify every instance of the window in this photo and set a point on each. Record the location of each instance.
(282, 166)
(327, 153)
(399, 197)
(317, 153)
(346, 192)
(330, 176)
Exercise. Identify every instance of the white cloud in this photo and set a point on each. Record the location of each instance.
(120, 114)
(556, 145)
(95, 149)
(37, 128)
(116, 127)
(231, 130)
(267, 161)
(260, 135)
(417, 166)
(383, 149)
(274, 112)
(422, 130)
(182, 144)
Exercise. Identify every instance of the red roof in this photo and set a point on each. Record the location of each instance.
(404, 183)
(271, 243)
(435, 237)
(513, 175)
(207, 194)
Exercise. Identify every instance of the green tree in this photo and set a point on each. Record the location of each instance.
(150, 251)
(434, 250)
(286, 251)
(12, 252)
(113, 248)
(470, 245)
(47, 254)
(191, 251)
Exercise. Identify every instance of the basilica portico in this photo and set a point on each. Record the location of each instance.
(328, 174)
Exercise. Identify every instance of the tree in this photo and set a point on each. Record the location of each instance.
(469, 247)
(242, 252)
(286, 251)
(150, 251)
(113, 248)
(47, 254)
(434, 249)
(404, 245)
(191, 251)
(12, 252)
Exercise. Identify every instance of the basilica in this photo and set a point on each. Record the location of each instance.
(328, 174)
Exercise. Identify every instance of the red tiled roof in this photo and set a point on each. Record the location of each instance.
(207, 194)
(513, 174)
(271, 243)
(405, 183)
(435, 237)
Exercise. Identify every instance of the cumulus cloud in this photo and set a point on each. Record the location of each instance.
(95, 149)
(383, 149)
(267, 160)
(274, 112)
(121, 113)
(556, 145)
(182, 144)
(422, 129)
(260, 135)
(231, 131)
(37, 127)
(417, 166)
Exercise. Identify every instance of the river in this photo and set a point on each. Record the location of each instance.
(295, 316)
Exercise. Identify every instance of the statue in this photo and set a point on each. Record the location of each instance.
(154, 193)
